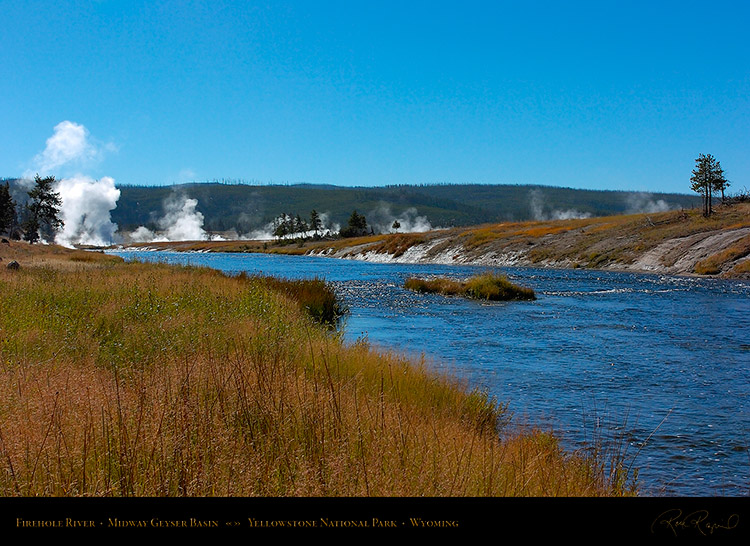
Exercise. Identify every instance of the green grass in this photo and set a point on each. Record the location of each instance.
(487, 286)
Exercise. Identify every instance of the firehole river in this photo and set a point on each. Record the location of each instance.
(659, 363)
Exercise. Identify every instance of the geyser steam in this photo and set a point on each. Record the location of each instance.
(85, 203)
(86, 207)
(382, 220)
(181, 222)
(69, 145)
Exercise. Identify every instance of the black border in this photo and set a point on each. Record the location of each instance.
(657, 518)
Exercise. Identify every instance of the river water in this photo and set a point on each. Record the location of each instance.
(660, 362)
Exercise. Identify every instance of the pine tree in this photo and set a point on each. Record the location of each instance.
(300, 226)
(315, 223)
(721, 183)
(281, 226)
(31, 229)
(357, 226)
(7, 210)
(43, 210)
(708, 177)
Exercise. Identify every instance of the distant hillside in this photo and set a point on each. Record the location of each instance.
(245, 208)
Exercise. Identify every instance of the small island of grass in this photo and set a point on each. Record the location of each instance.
(487, 286)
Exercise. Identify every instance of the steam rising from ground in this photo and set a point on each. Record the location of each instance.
(635, 203)
(266, 233)
(86, 203)
(536, 206)
(382, 220)
(85, 212)
(644, 202)
(181, 222)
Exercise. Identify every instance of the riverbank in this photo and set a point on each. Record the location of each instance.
(675, 243)
(131, 379)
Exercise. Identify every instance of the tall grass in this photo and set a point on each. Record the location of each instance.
(152, 380)
(487, 286)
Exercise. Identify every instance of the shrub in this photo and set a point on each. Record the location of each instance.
(487, 286)
(314, 296)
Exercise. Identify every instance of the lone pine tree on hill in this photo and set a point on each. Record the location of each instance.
(708, 177)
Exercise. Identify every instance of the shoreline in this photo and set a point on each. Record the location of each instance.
(387, 259)
(676, 243)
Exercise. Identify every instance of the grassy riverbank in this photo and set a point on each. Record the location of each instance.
(128, 379)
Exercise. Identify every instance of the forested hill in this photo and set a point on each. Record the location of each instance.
(244, 207)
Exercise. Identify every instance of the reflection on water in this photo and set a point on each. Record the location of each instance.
(663, 360)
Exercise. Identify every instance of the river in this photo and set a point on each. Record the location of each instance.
(659, 362)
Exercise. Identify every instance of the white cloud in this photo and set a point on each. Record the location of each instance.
(69, 146)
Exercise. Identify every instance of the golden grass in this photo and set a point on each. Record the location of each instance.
(52, 256)
(742, 269)
(714, 264)
(478, 237)
(398, 243)
(128, 379)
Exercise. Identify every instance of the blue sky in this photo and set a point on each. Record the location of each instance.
(603, 95)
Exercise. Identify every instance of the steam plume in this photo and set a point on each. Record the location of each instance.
(85, 203)
(537, 205)
(69, 146)
(382, 219)
(181, 222)
(644, 202)
(85, 212)
(266, 233)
